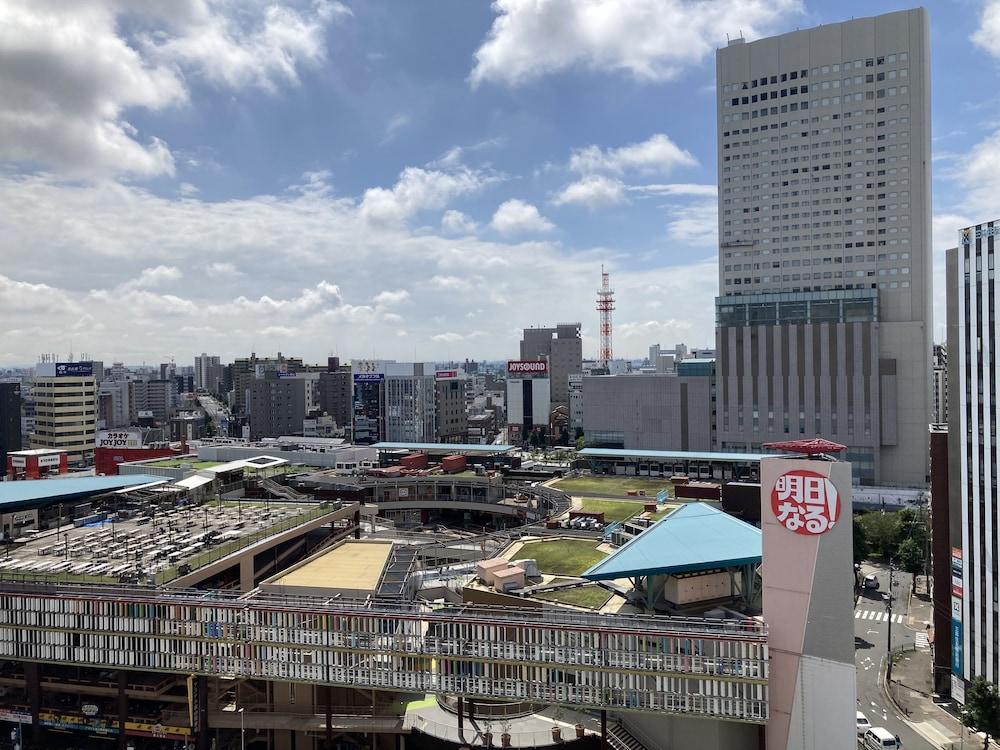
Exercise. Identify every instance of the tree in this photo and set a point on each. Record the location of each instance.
(580, 442)
(911, 558)
(982, 708)
(880, 529)
(862, 547)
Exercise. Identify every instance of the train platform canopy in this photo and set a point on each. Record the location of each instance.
(673, 455)
(445, 449)
(694, 537)
(38, 492)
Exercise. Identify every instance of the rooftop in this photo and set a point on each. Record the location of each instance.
(54, 490)
(446, 448)
(694, 537)
(351, 565)
(672, 455)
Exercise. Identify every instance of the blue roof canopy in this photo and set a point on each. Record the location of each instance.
(473, 448)
(674, 455)
(694, 537)
(46, 491)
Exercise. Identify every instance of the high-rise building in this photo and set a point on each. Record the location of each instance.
(562, 348)
(939, 411)
(393, 401)
(120, 402)
(335, 393)
(823, 318)
(245, 369)
(451, 419)
(10, 420)
(973, 345)
(208, 373)
(65, 395)
(277, 405)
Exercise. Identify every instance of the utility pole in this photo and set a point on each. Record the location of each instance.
(888, 640)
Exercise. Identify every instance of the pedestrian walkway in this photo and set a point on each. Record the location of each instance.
(876, 615)
(922, 641)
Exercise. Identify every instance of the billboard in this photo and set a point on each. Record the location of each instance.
(440, 374)
(74, 369)
(956, 572)
(527, 367)
(369, 377)
(805, 502)
(49, 460)
(119, 439)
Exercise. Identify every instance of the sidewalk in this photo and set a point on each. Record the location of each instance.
(912, 691)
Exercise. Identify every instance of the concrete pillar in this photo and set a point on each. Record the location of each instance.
(604, 729)
(199, 702)
(33, 682)
(329, 718)
(357, 524)
(247, 573)
(122, 707)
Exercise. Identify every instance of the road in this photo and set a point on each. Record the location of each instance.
(216, 411)
(871, 627)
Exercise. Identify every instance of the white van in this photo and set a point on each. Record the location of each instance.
(880, 738)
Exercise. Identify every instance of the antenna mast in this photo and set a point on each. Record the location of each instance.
(605, 304)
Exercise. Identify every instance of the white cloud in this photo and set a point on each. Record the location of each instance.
(677, 189)
(448, 337)
(418, 190)
(455, 222)
(695, 223)
(312, 264)
(70, 72)
(656, 154)
(391, 297)
(987, 34)
(592, 191)
(517, 217)
(653, 40)
(396, 123)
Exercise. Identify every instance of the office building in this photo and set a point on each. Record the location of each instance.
(336, 392)
(157, 398)
(575, 382)
(244, 369)
(528, 406)
(277, 405)
(393, 401)
(65, 396)
(823, 318)
(562, 348)
(10, 419)
(973, 344)
(939, 371)
(451, 420)
(648, 412)
(208, 373)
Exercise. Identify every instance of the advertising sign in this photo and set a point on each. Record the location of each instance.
(440, 374)
(805, 502)
(368, 377)
(13, 715)
(119, 439)
(956, 647)
(286, 373)
(365, 367)
(50, 460)
(957, 589)
(958, 689)
(74, 369)
(18, 462)
(527, 367)
(979, 233)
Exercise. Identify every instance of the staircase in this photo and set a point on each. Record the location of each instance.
(281, 490)
(619, 738)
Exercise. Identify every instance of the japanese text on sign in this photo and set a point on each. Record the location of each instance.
(805, 502)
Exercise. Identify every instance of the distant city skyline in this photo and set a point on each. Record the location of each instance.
(362, 184)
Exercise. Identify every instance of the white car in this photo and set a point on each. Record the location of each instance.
(863, 724)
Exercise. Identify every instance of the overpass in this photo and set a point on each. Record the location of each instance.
(670, 665)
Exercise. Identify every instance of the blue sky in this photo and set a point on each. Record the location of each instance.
(395, 179)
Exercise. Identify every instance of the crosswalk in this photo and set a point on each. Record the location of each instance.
(921, 641)
(876, 616)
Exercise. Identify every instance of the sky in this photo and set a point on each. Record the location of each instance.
(397, 179)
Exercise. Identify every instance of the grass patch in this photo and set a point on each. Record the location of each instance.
(176, 463)
(591, 597)
(668, 508)
(612, 486)
(614, 510)
(565, 557)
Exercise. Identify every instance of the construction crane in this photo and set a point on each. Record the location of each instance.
(605, 304)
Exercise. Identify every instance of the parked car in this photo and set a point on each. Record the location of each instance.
(870, 581)
(863, 724)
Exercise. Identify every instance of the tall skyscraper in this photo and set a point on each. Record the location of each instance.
(562, 348)
(10, 420)
(208, 373)
(973, 345)
(65, 395)
(823, 318)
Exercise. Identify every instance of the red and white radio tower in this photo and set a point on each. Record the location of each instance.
(605, 304)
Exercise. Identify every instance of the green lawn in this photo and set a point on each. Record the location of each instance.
(564, 557)
(612, 486)
(668, 508)
(176, 463)
(614, 510)
(591, 597)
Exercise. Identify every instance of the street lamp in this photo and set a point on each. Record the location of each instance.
(243, 731)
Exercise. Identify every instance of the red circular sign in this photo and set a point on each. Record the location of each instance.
(805, 502)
